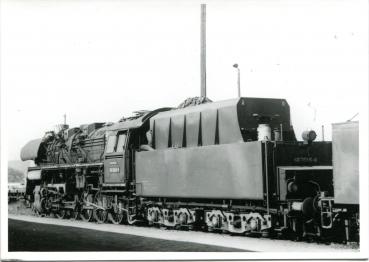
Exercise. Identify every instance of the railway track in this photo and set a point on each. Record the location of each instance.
(199, 237)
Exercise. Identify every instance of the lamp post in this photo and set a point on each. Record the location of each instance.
(238, 79)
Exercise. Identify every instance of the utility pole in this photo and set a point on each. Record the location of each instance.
(203, 50)
(65, 118)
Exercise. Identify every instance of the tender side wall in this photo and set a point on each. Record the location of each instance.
(230, 171)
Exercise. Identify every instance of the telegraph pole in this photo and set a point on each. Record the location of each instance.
(203, 50)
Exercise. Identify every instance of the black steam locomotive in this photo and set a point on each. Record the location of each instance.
(231, 166)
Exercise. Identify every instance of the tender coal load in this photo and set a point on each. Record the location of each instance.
(194, 101)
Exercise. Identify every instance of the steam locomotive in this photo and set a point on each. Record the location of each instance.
(232, 166)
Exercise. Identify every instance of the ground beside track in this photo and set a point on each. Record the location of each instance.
(30, 229)
(30, 236)
(19, 208)
(18, 211)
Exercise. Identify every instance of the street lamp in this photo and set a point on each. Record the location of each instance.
(238, 79)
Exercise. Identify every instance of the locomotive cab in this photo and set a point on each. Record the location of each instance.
(114, 158)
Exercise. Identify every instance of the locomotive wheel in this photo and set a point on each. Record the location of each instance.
(100, 215)
(35, 210)
(74, 214)
(45, 209)
(116, 218)
(61, 214)
(86, 214)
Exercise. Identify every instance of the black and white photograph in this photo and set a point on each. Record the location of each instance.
(184, 130)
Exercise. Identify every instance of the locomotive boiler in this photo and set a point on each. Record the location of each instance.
(230, 166)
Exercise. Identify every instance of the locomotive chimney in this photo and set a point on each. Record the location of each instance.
(203, 50)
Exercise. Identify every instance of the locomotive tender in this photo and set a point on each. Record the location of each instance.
(230, 166)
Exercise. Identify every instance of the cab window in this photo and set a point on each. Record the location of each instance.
(110, 146)
(121, 143)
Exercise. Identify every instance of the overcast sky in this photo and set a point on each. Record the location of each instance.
(101, 60)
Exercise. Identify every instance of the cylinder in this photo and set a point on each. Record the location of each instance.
(264, 132)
